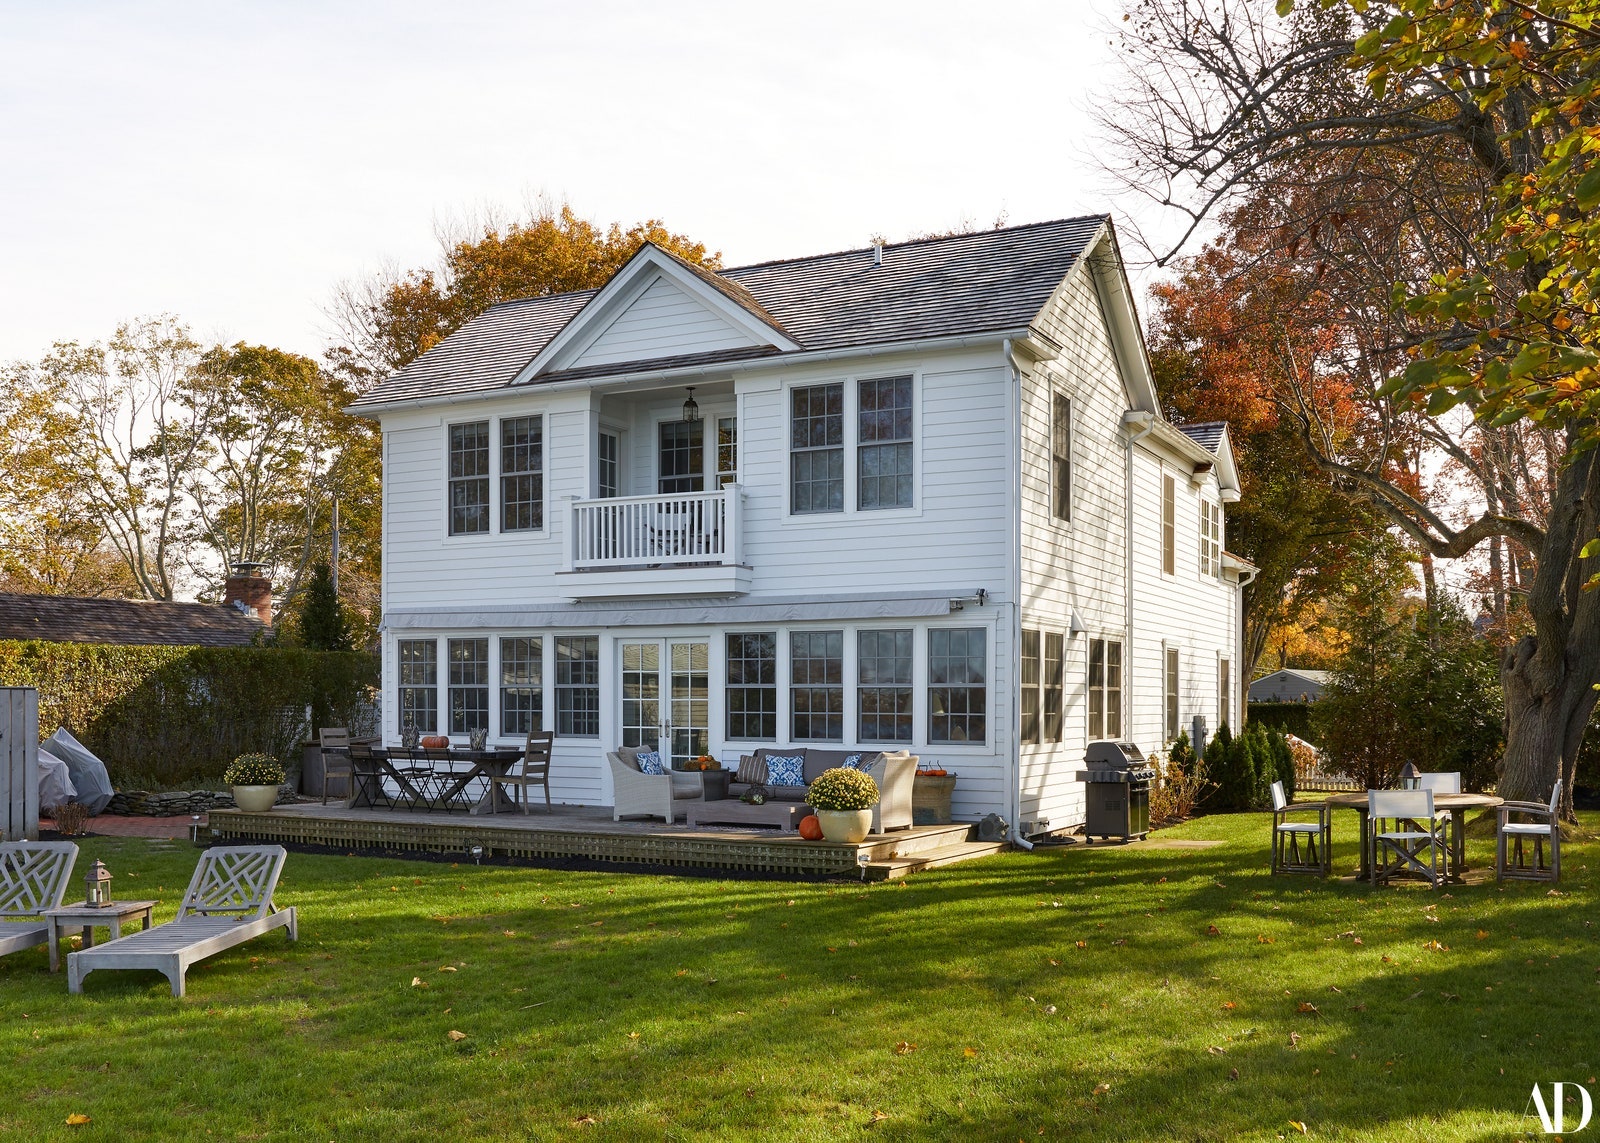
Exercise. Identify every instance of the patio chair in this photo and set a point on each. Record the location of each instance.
(1413, 831)
(1513, 834)
(33, 878)
(535, 771)
(655, 795)
(366, 777)
(335, 744)
(1288, 836)
(1447, 782)
(228, 902)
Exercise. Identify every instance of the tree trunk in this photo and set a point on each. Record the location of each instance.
(1545, 730)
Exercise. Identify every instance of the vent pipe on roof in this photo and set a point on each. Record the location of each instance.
(877, 253)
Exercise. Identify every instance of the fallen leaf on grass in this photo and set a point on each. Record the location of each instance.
(1358, 1007)
(1335, 988)
(1120, 941)
(447, 968)
(455, 1035)
(418, 982)
(583, 1121)
(969, 1052)
(879, 1116)
(1233, 1073)
(1083, 944)
(633, 1035)
(1482, 933)
(904, 1048)
(1101, 1088)
(1216, 1051)
(1049, 1009)
(77, 1119)
(1388, 960)
(1307, 1007)
(1415, 994)
(1213, 931)
(1294, 1039)
(1228, 1005)
(1261, 940)
(1435, 946)
(1298, 1126)
(1055, 962)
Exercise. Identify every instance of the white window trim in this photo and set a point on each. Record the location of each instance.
(1054, 389)
(1124, 673)
(708, 444)
(1169, 648)
(1224, 715)
(851, 444)
(1209, 569)
(1163, 480)
(495, 532)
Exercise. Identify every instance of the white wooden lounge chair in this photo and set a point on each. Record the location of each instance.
(33, 878)
(228, 902)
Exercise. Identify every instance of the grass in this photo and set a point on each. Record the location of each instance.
(992, 1000)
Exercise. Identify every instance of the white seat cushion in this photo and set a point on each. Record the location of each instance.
(1526, 829)
(1405, 836)
(1299, 827)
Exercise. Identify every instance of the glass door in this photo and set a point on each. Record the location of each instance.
(691, 699)
(666, 697)
(642, 717)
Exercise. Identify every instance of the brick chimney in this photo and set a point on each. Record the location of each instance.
(250, 591)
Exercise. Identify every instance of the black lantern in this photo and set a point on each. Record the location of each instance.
(691, 411)
(1410, 777)
(98, 884)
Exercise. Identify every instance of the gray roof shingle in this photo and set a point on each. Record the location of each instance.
(935, 287)
(1208, 436)
(138, 622)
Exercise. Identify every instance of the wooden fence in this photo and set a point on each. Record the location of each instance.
(19, 763)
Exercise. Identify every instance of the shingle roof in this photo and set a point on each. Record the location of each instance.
(68, 619)
(983, 282)
(1208, 436)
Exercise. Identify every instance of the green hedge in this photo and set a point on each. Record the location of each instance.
(167, 716)
(1290, 717)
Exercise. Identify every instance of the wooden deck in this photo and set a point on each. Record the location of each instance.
(588, 833)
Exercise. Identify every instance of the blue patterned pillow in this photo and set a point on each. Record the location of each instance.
(649, 762)
(786, 769)
(862, 762)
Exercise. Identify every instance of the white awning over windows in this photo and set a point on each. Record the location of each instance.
(669, 613)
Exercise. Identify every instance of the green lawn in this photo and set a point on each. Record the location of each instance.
(992, 1000)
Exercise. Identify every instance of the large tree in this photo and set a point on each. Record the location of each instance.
(1427, 163)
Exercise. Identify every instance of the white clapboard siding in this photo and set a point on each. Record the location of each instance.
(662, 322)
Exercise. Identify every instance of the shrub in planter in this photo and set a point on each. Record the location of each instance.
(841, 789)
(253, 770)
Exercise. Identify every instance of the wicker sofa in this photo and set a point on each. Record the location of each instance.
(894, 773)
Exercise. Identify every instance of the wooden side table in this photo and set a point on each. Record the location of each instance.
(86, 917)
(714, 784)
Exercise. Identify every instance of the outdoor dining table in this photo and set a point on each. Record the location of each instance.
(1459, 803)
(485, 764)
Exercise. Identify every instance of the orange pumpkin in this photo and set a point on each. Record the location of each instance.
(434, 742)
(811, 828)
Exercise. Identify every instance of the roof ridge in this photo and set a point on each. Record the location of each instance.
(932, 238)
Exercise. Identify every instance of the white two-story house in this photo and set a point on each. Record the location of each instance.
(915, 496)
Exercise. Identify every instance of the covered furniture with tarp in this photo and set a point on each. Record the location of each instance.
(55, 781)
(88, 773)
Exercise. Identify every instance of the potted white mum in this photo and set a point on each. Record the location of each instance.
(843, 800)
(255, 779)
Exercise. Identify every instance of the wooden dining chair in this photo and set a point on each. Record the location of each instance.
(1509, 859)
(336, 763)
(535, 771)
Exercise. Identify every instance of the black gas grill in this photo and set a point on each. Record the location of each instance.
(1118, 790)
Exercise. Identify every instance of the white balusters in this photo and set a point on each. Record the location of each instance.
(681, 528)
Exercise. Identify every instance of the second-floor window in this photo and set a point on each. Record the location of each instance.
(816, 448)
(469, 478)
(682, 457)
(608, 471)
(1169, 525)
(1061, 457)
(727, 451)
(884, 477)
(1210, 538)
(521, 474)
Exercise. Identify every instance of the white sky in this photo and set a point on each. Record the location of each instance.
(230, 163)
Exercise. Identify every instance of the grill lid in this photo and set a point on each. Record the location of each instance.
(1108, 755)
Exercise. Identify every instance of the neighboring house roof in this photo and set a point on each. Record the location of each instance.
(69, 619)
(1290, 684)
(985, 282)
(1208, 436)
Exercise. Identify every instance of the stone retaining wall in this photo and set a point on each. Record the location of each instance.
(179, 803)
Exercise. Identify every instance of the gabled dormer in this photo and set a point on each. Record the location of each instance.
(659, 308)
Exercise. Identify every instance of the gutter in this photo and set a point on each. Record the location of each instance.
(718, 372)
(1014, 577)
(1137, 425)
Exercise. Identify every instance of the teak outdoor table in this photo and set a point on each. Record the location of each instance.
(86, 917)
(1460, 803)
(731, 811)
(482, 764)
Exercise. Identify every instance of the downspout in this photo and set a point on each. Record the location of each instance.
(1146, 423)
(1240, 683)
(1014, 578)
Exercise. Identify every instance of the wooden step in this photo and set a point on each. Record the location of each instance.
(904, 842)
(897, 867)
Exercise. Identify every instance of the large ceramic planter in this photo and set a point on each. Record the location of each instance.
(255, 799)
(846, 827)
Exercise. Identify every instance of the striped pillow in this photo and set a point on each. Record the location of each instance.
(752, 770)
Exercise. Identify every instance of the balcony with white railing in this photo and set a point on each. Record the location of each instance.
(676, 544)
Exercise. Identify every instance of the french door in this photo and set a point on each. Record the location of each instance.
(666, 696)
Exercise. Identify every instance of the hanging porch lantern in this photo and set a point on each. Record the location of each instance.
(691, 411)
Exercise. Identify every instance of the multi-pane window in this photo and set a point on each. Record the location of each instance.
(578, 686)
(1105, 689)
(419, 684)
(1224, 692)
(753, 685)
(469, 685)
(727, 451)
(521, 686)
(957, 685)
(816, 448)
(608, 465)
(682, 457)
(1061, 457)
(816, 686)
(1170, 691)
(1169, 525)
(883, 690)
(469, 478)
(521, 474)
(1030, 687)
(883, 449)
(1210, 538)
(1053, 684)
